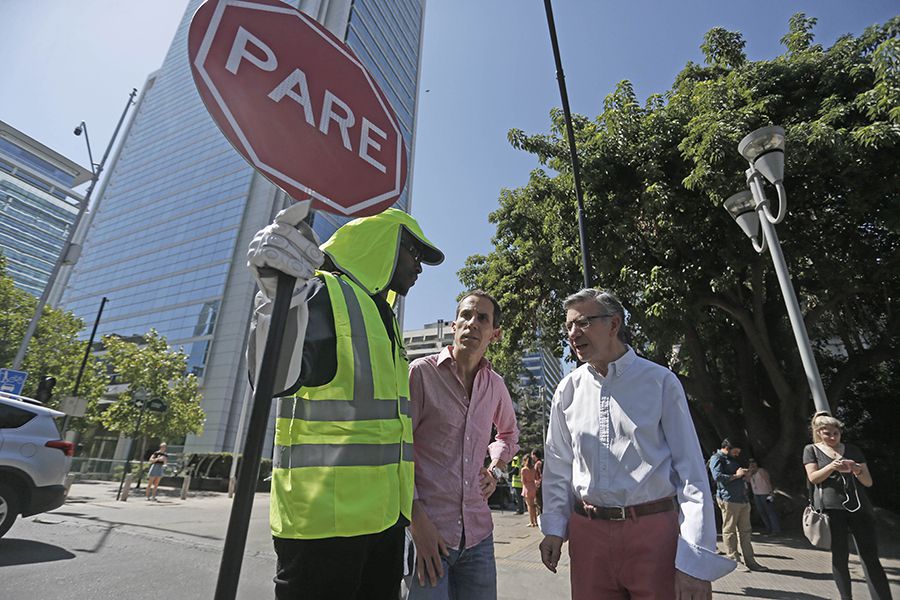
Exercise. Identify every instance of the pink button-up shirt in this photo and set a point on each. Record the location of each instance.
(452, 436)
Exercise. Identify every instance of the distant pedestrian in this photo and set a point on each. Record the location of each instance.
(537, 455)
(529, 489)
(763, 497)
(515, 482)
(158, 462)
(835, 468)
(731, 495)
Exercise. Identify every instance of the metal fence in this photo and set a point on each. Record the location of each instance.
(110, 469)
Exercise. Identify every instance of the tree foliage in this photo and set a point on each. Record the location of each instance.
(54, 348)
(151, 366)
(699, 298)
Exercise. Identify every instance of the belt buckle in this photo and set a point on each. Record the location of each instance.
(622, 514)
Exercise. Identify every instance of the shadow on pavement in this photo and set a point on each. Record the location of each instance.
(752, 592)
(25, 552)
(113, 524)
(802, 575)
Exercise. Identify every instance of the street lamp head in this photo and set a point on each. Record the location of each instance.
(742, 209)
(79, 128)
(764, 150)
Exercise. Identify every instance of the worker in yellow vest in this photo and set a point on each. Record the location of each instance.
(515, 483)
(342, 478)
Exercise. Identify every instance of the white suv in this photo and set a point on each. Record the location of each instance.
(34, 461)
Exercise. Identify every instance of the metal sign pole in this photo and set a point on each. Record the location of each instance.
(239, 522)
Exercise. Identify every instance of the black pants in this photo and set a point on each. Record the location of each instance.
(862, 526)
(351, 568)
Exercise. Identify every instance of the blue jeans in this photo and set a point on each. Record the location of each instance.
(469, 574)
(767, 513)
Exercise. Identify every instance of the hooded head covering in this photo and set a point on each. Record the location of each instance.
(366, 249)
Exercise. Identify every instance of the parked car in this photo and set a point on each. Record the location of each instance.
(34, 461)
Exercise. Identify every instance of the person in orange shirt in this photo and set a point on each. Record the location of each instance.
(529, 489)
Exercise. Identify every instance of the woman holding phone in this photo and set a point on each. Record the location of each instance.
(840, 473)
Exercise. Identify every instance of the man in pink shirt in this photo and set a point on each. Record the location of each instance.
(455, 398)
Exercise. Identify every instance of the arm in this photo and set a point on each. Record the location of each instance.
(816, 475)
(429, 546)
(696, 555)
(506, 445)
(429, 543)
(288, 245)
(861, 471)
(718, 473)
(558, 491)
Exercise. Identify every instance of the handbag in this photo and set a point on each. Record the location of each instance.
(816, 526)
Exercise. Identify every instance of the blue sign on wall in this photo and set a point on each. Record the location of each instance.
(11, 381)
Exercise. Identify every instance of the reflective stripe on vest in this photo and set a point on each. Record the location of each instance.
(340, 455)
(340, 410)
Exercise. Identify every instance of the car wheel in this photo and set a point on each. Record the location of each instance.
(9, 507)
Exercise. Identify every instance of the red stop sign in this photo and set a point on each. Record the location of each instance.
(298, 104)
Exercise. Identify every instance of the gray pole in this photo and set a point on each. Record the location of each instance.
(790, 299)
(573, 151)
(232, 477)
(67, 247)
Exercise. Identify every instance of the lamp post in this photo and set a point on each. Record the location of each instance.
(764, 150)
(71, 252)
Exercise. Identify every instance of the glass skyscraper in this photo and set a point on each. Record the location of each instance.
(167, 243)
(37, 206)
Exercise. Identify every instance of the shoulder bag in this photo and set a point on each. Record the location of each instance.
(816, 527)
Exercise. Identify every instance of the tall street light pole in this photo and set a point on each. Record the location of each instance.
(573, 152)
(71, 252)
(764, 150)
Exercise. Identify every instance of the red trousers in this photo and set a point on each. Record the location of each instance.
(634, 558)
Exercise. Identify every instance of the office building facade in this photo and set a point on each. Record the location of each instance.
(541, 373)
(38, 206)
(167, 242)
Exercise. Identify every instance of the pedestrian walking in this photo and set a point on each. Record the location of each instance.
(158, 461)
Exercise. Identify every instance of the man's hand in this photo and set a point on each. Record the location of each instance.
(430, 546)
(288, 245)
(551, 550)
(487, 482)
(691, 588)
(740, 473)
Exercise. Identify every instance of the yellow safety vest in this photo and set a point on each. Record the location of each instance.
(516, 480)
(343, 451)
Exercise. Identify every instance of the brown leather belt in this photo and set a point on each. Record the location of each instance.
(620, 513)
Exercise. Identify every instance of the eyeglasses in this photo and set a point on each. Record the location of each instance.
(582, 323)
(414, 249)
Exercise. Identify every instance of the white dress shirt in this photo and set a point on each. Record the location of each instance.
(627, 439)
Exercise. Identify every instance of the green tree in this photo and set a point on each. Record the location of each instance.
(153, 367)
(54, 349)
(655, 179)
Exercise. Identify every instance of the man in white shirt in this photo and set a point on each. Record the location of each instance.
(624, 478)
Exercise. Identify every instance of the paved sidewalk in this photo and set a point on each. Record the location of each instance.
(798, 572)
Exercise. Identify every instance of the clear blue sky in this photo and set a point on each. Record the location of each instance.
(487, 66)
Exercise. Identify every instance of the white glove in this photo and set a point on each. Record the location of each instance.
(288, 245)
